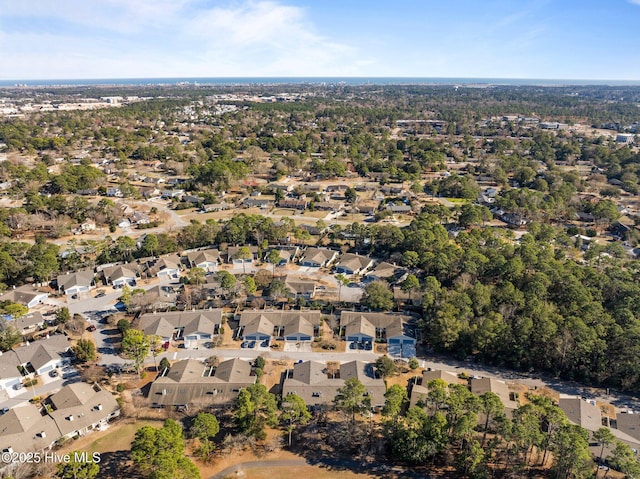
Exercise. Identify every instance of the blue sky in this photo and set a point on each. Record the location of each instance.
(550, 39)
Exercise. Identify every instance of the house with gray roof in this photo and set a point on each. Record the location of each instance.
(350, 263)
(629, 423)
(44, 355)
(80, 408)
(9, 373)
(292, 326)
(234, 251)
(26, 295)
(299, 287)
(480, 386)
(76, 283)
(26, 429)
(190, 382)
(318, 257)
(194, 327)
(384, 272)
(318, 386)
(167, 267)
(29, 323)
(76, 410)
(419, 391)
(365, 327)
(207, 259)
(121, 275)
(581, 412)
(287, 254)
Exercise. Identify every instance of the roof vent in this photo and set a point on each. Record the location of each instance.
(70, 418)
(42, 434)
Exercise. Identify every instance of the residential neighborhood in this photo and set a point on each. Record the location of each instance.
(331, 268)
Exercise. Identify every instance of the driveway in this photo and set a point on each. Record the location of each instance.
(301, 347)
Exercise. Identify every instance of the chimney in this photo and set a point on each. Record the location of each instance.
(42, 434)
(70, 418)
(99, 407)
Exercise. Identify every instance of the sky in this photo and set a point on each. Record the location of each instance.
(532, 39)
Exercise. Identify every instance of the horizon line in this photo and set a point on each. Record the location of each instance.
(312, 79)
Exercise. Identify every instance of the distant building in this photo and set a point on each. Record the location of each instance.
(625, 138)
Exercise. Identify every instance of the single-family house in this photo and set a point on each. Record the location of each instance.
(114, 192)
(139, 218)
(233, 253)
(350, 263)
(296, 204)
(40, 357)
(384, 272)
(629, 424)
(172, 194)
(318, 257)
(26, 295)
(319, 386)
(120, 275)
(265, 203)
(161, 297)
(287, 254)
(300, 288)
(190, 382)
(168, 267)
(29, 323)
(398, 208)
(76, 283)
(9, 373)
(207, 259)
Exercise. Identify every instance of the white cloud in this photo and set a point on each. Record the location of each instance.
(147, 38)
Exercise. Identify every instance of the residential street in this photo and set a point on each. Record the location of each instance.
(95, 308)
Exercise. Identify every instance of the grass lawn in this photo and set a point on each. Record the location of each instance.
(458, 201)
(117, 438)
(285, 212)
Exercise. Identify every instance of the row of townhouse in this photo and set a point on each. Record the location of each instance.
(198, 327)
(584, 412)
(73, 411)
